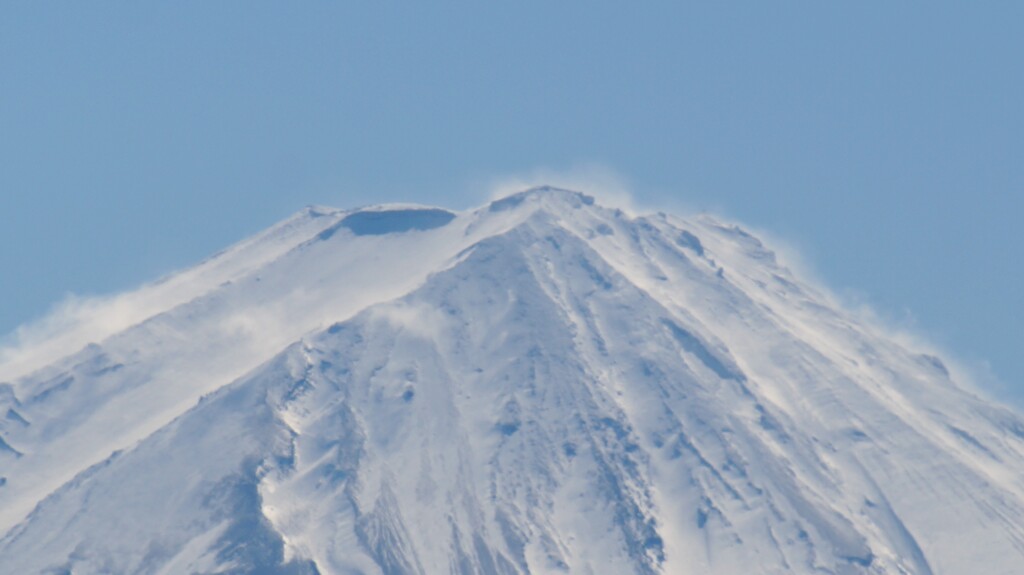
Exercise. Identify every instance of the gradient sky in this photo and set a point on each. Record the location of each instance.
(885, 140)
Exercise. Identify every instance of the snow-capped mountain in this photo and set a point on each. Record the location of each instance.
(540, 385)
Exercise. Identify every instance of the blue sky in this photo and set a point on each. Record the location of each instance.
(885, 140)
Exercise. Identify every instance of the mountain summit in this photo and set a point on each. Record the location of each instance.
(540, 385)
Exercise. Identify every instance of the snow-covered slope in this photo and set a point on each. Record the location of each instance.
(541, 385)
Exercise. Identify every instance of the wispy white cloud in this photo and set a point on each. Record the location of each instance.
(70, 325)
(420, 320)
(78, 321)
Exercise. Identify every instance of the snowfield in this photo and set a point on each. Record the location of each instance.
(539, 385)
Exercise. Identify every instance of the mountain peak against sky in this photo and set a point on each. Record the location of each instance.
(539, 385)
(545, 192)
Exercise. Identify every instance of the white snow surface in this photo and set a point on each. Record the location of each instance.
(540, 385)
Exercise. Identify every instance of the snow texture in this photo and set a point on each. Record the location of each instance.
(540, 385)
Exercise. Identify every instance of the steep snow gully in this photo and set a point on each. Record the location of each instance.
(540, 385)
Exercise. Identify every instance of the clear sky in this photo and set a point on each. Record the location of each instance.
(884, 139)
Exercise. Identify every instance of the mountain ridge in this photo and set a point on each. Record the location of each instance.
(553, 386)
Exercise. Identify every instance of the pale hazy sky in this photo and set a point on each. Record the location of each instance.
(885, 140)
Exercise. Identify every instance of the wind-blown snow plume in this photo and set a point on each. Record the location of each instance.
(601, 182)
